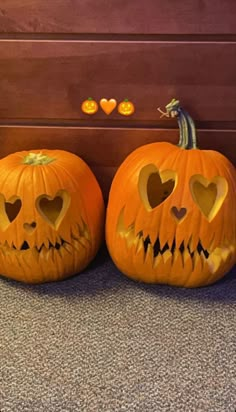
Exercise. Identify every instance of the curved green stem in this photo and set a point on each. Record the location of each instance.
(183, 130)
(192, 131)
(187, 129)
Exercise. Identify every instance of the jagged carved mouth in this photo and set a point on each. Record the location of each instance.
(78, 238)
(156, 254)
(156, 247)
(57, 245)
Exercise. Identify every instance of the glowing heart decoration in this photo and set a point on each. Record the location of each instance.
(171, 214)
(51, 215)
(108, 105)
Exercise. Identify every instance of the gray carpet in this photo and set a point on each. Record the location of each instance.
(100, 342)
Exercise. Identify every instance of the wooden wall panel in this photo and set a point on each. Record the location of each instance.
(106, 146)
(104, 149)
(133, 16)
(50, 79)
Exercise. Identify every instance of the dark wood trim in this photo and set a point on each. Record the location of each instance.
(106, 146)
(118, 37)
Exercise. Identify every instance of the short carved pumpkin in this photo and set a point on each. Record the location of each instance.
(126, 107)
(51, 215)
(171, 211)
(89, 106)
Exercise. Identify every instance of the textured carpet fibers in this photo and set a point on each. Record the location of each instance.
(100, 342)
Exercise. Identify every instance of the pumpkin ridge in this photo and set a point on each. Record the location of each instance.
(85, 215)
(219, 173)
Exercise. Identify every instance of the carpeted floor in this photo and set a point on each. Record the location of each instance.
(100, 342)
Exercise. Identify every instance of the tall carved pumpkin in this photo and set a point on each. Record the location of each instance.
(51, 215)
(171, 211)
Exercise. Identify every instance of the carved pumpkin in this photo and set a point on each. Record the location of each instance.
(126, 108)
(89, 106)
(51, 215)
(171, 211)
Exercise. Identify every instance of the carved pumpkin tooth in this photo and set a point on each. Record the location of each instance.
(76, 244)
(3, 250)
(86, 233)
(47, 243)
(136, 244)
(149, 251)
(177, 258)
(58, 241)
(140, 245)
(188, 261)
(197, 262)
(158, 260)
(6, 245)
(51, 254)
(68, 247)
(214, 262)
(35, 253)
(85, 242)
(59, 252)
(203, 257)
(43, 252)
(167, 255)
(223, 252)
(130, 237)
(232, 248)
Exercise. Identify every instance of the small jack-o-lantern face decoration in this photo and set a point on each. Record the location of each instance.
(51, 215)
(174, 220)
(126, 108)
(89, 106)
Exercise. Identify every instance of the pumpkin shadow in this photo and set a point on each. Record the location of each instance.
(223, 291)
(89, 282)
(102, 277)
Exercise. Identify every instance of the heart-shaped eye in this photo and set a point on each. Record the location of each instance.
(54, 209)
(9, 210)
(154, 186)
(209, 195)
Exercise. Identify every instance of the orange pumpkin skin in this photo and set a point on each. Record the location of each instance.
(51, 215)
(171, 216)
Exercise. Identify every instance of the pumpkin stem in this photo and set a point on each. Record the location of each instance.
(37, 159)
(187, 129)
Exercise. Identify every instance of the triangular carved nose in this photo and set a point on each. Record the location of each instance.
(179, 214)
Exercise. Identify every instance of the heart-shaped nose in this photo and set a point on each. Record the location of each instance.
(29, 227)
(179, 214)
